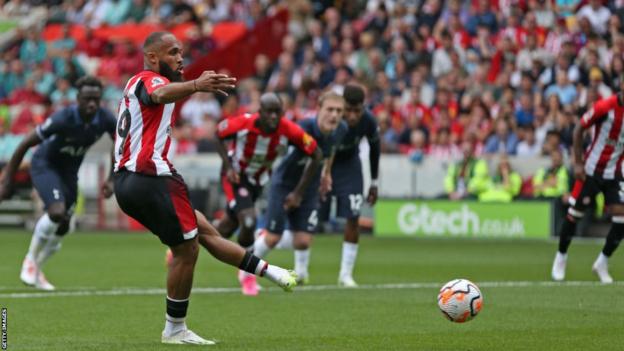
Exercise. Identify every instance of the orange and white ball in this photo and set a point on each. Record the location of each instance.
(460, 300)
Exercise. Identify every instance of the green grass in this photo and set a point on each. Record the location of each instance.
(533, 317)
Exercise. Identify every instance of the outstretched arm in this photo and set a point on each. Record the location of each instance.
(209, 81)
(6, 180)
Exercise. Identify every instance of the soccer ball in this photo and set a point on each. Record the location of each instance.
(460, 300)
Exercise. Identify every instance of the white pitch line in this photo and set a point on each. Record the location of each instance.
(160, 291)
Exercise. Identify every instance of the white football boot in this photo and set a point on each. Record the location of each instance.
(187, 337)
(601, 268)
(559, 267)
(28, 274)
(42, 283)
(347, 282)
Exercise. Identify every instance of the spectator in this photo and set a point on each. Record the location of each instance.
(26, 95)
(138, 10)
(503, 140)
(597, 15)
(417, 149)
(596, 81)
(206, 137)
(504, 185)
(199, 108)
(530, 53)
(64, 94)
(442, 56)
(563, 88)
(552, 143)
(482, 16)
(468, 177)
(525, 113)
(552, 182)
(528, 146)
(117, 11)
(442, 148)
(44, 80)
(33, 49)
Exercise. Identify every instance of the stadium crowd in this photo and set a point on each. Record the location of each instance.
(488, 76)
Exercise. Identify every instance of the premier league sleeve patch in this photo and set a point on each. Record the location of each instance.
(157, 81)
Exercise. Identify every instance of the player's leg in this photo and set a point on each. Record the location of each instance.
(226, 225)
(581, 195)
(615, 204)
(229, 223)
(162, 205)
(348, 206)
(48, 184)
(70, 191)
(228, 252)
(179, 284)
(247, 219)
(303, 222)
(275, 222)
(302, 243)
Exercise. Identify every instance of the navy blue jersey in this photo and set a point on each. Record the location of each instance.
(66, 138)
(290, 170)
(350, 145)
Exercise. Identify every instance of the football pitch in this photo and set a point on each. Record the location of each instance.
(111, 297)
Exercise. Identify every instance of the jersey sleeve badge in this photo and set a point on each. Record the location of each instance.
(307, 140)
(156, 81)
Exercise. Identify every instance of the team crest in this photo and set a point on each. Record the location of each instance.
(307, 139)
(168, 130)
(156, 81)
(223, 125)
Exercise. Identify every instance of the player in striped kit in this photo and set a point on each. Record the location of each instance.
(599, 169)
(256, 139)
(149, 189)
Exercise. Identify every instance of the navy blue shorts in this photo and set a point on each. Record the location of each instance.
(302, 219)
(54, 185)
(347, 188)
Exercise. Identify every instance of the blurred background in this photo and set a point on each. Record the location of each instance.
(476, 100)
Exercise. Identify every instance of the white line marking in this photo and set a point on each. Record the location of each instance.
(160, 291)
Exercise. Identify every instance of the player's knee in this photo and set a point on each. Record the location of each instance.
(64, 226)
(302, 241)
(271, 239)
(248, 220)
(56, 214)
(186, 252)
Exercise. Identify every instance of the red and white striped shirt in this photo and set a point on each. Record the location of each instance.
(604, 156)
(253, 152)
(144, 128)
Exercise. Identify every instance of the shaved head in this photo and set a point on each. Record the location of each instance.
(271, 111)
(270, 100)
(153, 41)
(162, 53)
